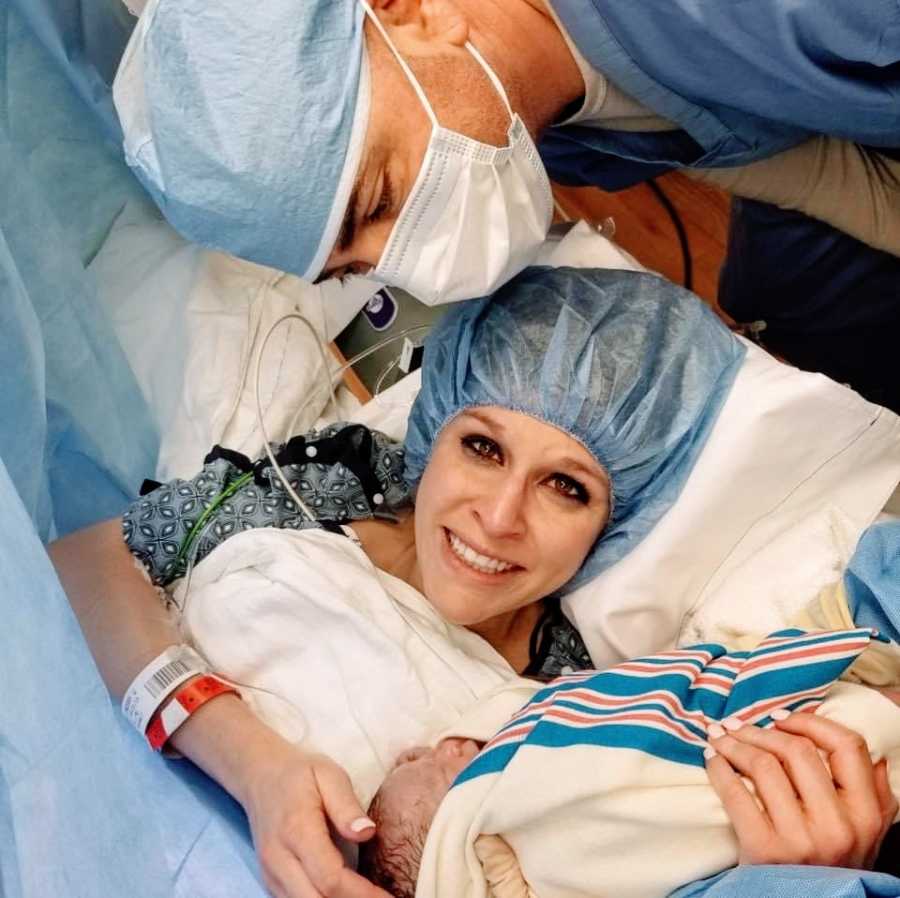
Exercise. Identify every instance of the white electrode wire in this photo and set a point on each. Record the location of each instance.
(301, 505)
(383, 376)
(259, 417)
(382, 343)
(183, 606)
(332, 378)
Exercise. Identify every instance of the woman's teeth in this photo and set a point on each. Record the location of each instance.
(481, 563)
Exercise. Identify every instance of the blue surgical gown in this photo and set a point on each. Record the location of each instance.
(742, 80)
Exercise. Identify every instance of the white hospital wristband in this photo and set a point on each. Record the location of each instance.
(157, 681)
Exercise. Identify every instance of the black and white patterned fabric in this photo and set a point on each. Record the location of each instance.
(343, 473)
(556, 646)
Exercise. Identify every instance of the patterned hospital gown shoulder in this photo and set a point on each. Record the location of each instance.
(343, 473)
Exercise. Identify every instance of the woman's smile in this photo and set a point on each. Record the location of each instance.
(462, 554)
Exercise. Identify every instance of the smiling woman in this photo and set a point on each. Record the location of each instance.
(506, 512)
(556, 424)
(625, 372)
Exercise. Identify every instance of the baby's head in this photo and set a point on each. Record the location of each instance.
(403, 809)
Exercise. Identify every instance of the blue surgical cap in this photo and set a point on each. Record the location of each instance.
(630, 365)
(245, 121)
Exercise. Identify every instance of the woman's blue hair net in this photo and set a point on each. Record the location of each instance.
(630, 365)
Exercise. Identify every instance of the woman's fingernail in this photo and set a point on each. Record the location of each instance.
(709, 752)
(733, 724)
(715, 731)
(780, 714)
(362, 823)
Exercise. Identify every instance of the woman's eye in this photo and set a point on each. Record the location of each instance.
(569, 488)
(482, 448)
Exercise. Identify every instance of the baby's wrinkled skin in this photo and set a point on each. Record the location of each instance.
(403, 810)
(421, 778)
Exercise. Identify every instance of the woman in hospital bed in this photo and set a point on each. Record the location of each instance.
(556, 424)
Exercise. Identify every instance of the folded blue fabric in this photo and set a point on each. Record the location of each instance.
(76, 434)
(86, 808)
(873, 580)
(249, 122)
(789, 881)
(85, 39)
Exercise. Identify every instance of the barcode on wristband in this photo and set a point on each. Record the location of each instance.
(166, 677)
(162, 676)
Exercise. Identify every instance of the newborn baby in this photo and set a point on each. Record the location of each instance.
(598, 784)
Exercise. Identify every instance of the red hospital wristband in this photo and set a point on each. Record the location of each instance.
(184, 702)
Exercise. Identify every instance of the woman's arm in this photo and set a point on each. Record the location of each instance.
(804, 811)
(289, 795)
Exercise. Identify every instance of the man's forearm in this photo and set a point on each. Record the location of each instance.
(832, 180)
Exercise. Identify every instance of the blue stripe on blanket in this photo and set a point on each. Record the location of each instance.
(662, 705)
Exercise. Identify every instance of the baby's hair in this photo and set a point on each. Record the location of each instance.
(391, 858)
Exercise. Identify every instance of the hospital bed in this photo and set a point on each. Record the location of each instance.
(126, 353)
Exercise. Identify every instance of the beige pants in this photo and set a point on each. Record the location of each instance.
(828, 179)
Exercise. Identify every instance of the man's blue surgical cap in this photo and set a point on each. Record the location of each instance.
(245, 121)
(630, 365)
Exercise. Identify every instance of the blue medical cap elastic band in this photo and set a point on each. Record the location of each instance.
(253, 118)
(630, 365)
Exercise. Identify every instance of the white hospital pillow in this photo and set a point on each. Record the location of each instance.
(796, 467)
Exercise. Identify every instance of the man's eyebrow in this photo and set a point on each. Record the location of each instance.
(348, 225)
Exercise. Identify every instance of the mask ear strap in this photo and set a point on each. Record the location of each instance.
(492, 75)
(403, 65)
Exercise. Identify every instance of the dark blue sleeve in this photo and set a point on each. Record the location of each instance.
(828, 300)
(578, 156)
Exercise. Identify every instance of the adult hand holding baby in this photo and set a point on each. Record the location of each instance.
(291, 797)
(805, 810)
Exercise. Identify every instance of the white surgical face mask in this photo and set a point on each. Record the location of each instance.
(476, 216)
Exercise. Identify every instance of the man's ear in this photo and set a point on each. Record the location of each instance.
(432, 20)
(398, 12)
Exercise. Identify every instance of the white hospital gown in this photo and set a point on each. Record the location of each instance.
(355, 663)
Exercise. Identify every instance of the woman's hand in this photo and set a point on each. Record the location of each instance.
(290, 798)
(803, 812)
